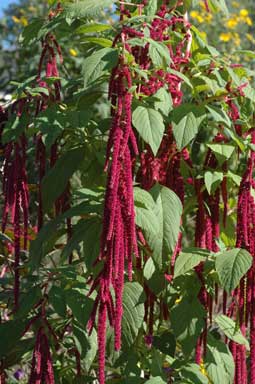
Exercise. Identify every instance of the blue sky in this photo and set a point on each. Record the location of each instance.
(4, 3)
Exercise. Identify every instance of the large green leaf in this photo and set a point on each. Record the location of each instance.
(165, 343)
(159, 53)
(171, 208)
(10, 333)
(189, 259)
(49, 233)
(219, 362)
(192, 373)
(86, 345)
(57, 300)
(187, 320)
(85, 8)
(165, 103)
(149, 124)
(186, 120)
(95, 65)
(231, 266)
(56, 180)
(230, 329)
(212, 180)
(80, 305)
(133, 305)
(222, 152)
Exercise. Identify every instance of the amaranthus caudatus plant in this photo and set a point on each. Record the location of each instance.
(128, 202)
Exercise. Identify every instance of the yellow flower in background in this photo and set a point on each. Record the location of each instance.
(232, 23)
(244, 12)
(250, 37)
(225, 36)
(73, 52)
(236, 39)
(235, 4)
(31, 8)
(24, 21)
(196, 16)
(208, 18)
(248, 20)
(16, 19)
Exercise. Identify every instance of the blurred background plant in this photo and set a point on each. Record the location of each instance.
(231, 33)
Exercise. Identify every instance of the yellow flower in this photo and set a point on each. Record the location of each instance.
(32, 9)
(225, 36)
(73, 52)
(235, 4)
(250, 37)
(203, 369)
(208, 18)
(197, 16)
(16, 19)
(236, 38)
(194, 14)
(24, 21)
(232, 23)
(248, 20)
(244, 12)
(177, 301)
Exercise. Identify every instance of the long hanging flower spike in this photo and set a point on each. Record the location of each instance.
(118, 238)
(42, 368)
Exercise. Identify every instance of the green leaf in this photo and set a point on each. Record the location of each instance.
(168, 211)
(103, 42)
(57, 300)
(10, 333)
(187, 260)
(192, 373)
(86, 345)
(229, 327)
(49, 233)
(186, 120)
(56, 180)
(92, 28)
(149, 124)
(188, 320)
(172, 211)
(231, 266)
(80, 305)
(30, 32)
(159, 53)
(95, 65)
(133, 315)
(16, 353)
(212, 180)
(219, 115)
(14, 128)
(165, 343)
(155, 278)
(27, 301)
(88, 9)
(165, 103)
(222, 151)
(151, 7)
(155, 380)
(219, 362)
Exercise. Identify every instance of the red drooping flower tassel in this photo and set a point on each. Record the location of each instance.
(118, 238)
(42, 367)
(16, 199)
